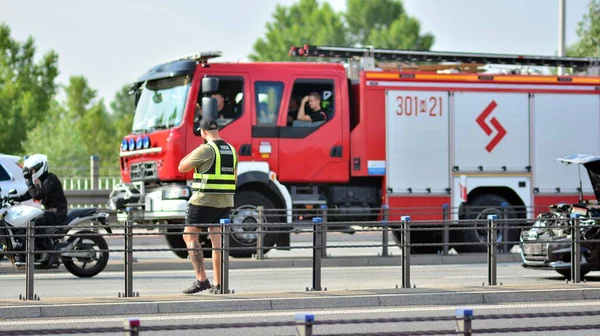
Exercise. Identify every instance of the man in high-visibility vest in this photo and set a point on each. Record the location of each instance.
(213, 188)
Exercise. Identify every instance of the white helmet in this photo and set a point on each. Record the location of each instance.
(37, 162)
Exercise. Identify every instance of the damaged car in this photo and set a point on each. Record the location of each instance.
(547, 244)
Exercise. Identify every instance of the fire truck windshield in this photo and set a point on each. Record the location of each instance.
(161, 104)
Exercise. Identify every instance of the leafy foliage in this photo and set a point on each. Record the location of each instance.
(377, 23)
(34, 120)
(588, 32)
(26, 88)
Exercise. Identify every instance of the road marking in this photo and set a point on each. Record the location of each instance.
(167, 317)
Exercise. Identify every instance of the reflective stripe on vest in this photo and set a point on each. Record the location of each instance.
(220, 178)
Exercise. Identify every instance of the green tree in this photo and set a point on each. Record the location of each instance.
(123, 109)
(377, 23)
(75, 130)
(303, 22)
(26, 89)
(64, 146)
(588, 32)
(384, 24)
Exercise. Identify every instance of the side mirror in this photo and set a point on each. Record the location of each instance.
(209, 107)
(12, 192)
(210, 85)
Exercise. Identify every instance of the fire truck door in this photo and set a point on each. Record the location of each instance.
(267, 103)
(313, 152)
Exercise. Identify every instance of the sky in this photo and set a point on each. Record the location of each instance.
(112, 42)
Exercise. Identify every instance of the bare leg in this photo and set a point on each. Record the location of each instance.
(215, 238)
(190, 237)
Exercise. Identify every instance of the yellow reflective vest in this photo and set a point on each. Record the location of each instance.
(220, 178)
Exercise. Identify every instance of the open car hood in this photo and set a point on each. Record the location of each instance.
(591, 163)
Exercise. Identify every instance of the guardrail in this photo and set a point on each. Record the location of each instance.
(319, 244)
(304, 324)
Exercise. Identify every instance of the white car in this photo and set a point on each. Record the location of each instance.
(11, 177)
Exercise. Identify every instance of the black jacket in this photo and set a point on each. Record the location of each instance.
(50, 193)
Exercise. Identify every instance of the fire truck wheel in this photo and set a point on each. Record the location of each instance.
(482, 206)
(175, 241)
(245, 212)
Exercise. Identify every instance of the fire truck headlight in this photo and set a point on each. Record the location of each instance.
(176, 192)
(131, 144)
(124, 145)
(146, 142)
(138, 143)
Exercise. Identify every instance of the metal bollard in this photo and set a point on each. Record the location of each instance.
(260, 252)
(304, 324)
(463, 321)
(446, 233)
(491, 249)
(225, 228)
(324, 232)
(317, 239)
(405, 241)
(128, 255)
(504, 206)
(385, 226)
(131, 327)
(575, 249)
(30, 262)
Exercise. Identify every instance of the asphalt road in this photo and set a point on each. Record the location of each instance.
(200, 323)
(299, 242)
(108, 284)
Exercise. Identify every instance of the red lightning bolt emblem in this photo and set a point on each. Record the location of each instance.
(487, 129)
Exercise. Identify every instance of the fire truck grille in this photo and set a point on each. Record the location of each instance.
(142, 171)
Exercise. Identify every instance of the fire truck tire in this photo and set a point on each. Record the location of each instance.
(244, 211)
(484, 205)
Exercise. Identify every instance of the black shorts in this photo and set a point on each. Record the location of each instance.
(203, 215)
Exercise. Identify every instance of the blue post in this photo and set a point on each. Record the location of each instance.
(224, 255)
(491, 249)
(463, 321)
(304, 324)
(575, 248)
(317, 240)
(405, 242)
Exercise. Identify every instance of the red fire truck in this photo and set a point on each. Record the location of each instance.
(406, 138)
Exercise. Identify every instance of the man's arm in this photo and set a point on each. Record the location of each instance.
(194, 159)
(38, 193)
(301, 112)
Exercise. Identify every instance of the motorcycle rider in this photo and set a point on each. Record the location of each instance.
(46, 187)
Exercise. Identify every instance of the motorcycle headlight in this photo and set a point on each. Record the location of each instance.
(178, 192)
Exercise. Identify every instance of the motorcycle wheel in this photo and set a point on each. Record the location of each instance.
(101, 257)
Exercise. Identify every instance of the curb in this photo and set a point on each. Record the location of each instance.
(170, 304)
(184, 264)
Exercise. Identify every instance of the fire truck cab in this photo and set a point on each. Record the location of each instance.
(383, 137)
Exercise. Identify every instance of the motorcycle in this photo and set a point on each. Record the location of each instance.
(69, 249)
